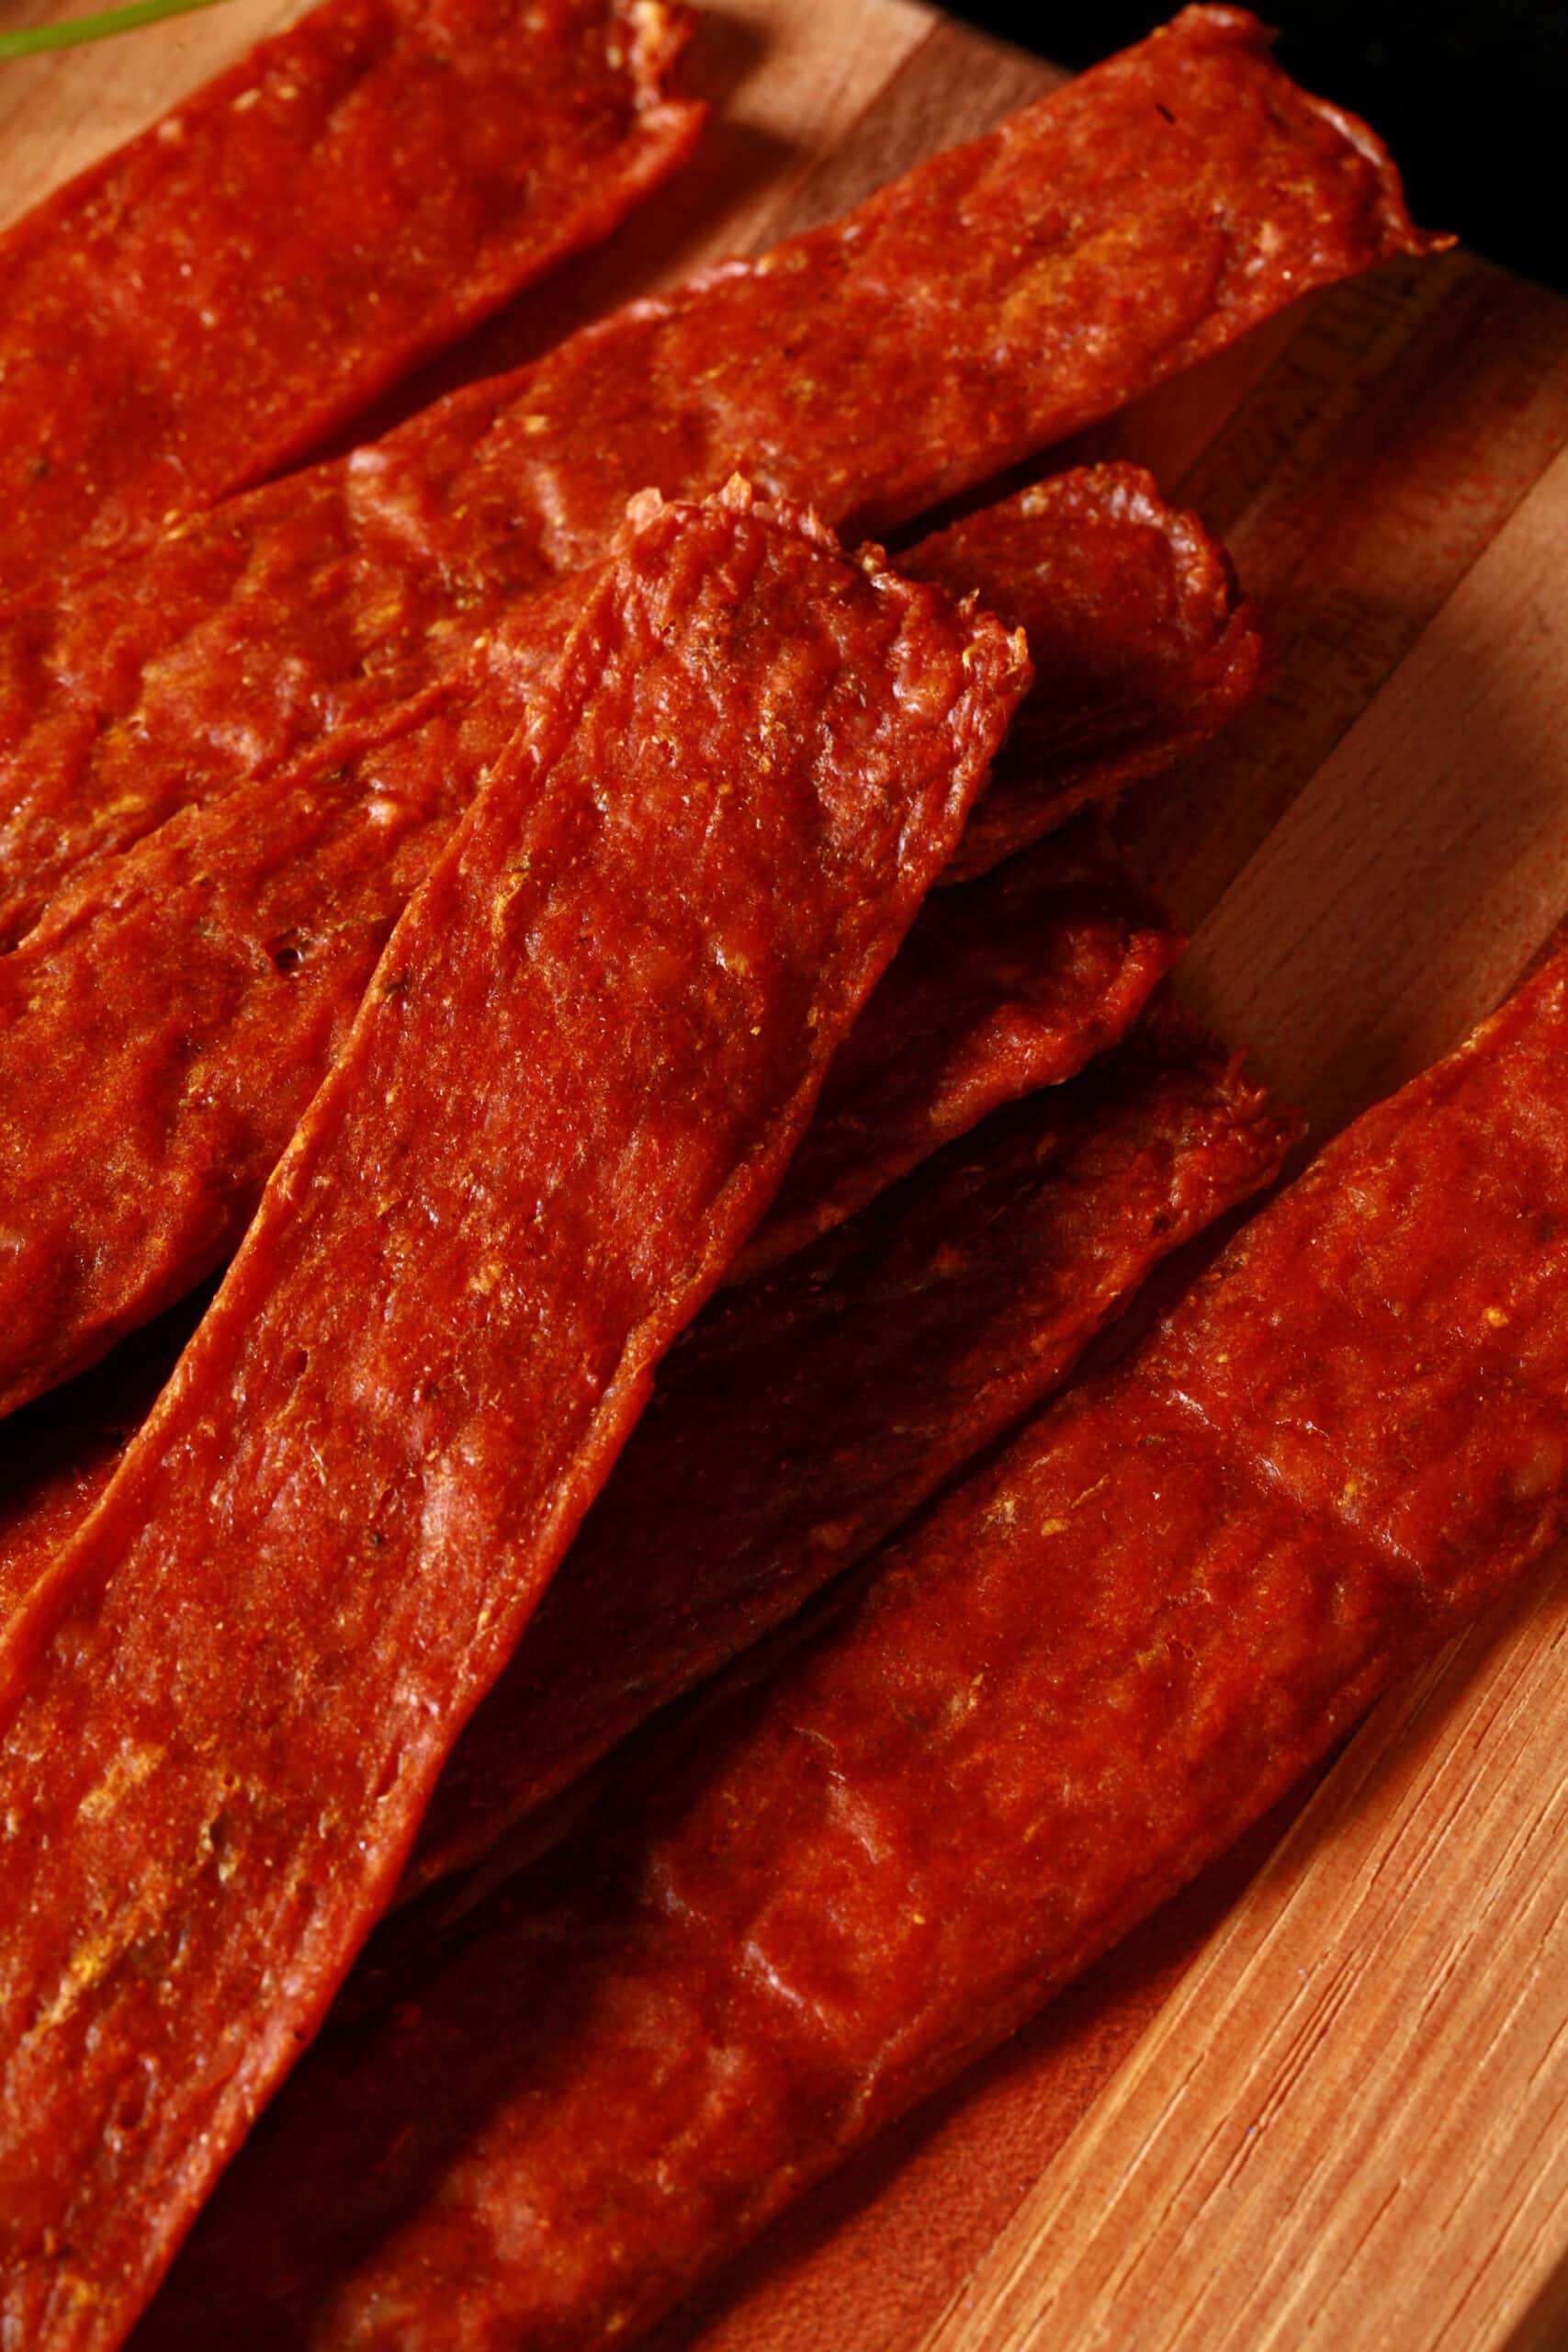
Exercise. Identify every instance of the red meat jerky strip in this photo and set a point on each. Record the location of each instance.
(593, 1040)
(150, 1075)
(1094, 1665)
(892, 1350)
(805, 1417)
(1110, 706)
(163, 1030)
(1000, 988)
(990, 302)
(799, 1422)
(211, 300)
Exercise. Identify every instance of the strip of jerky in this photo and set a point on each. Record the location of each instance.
(803, 1418)
(1011, 984)
(990, 302)
(145, 1107)
(593, 1040)
(206, 303)
(1083, 1676)
(163, 1029)
(1113, 707)
(848, 1388)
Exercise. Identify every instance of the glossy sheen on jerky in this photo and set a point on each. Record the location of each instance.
(164, 1026)
(988, 302)
(210, 300)
(592, 1043)
(804, 1416)
(1131, 606)
(1080, 1679)
(1009, 985)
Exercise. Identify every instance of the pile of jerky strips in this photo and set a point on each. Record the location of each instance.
(632, 987)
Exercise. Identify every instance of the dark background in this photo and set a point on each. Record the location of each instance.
(1472, 98)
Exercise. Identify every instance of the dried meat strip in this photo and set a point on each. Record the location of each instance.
(206, 303)
(805, 1415)
(163, 1030)
(1087, 1672)
(150, 1079)
(155, 1060)
(846, 1388)
(1009, 985)
(986, 304)
(591, 1043)
(1184, 657)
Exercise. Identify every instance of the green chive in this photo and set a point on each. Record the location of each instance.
(99, 28)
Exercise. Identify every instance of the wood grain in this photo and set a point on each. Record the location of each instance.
(1320, 2101)
(1369, 468)
(1433, 836)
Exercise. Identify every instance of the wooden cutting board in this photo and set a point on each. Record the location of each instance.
(1321, 2100)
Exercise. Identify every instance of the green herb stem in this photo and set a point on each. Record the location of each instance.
(73, 29)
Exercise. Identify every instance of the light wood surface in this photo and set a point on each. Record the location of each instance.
(1321, 2101)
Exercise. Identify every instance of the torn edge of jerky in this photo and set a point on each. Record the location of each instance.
(1185, 656)
(164, 1028)
(810, 368)
(1080, 1679)
(411, 169)
(230, 1701)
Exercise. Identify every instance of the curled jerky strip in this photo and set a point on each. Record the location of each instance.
(202, 306)
(993, 300)
(1110, 704)
(593, 1039)
(999, 990)
(1092, 1667)
(806, 1415)
(164, 1028)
